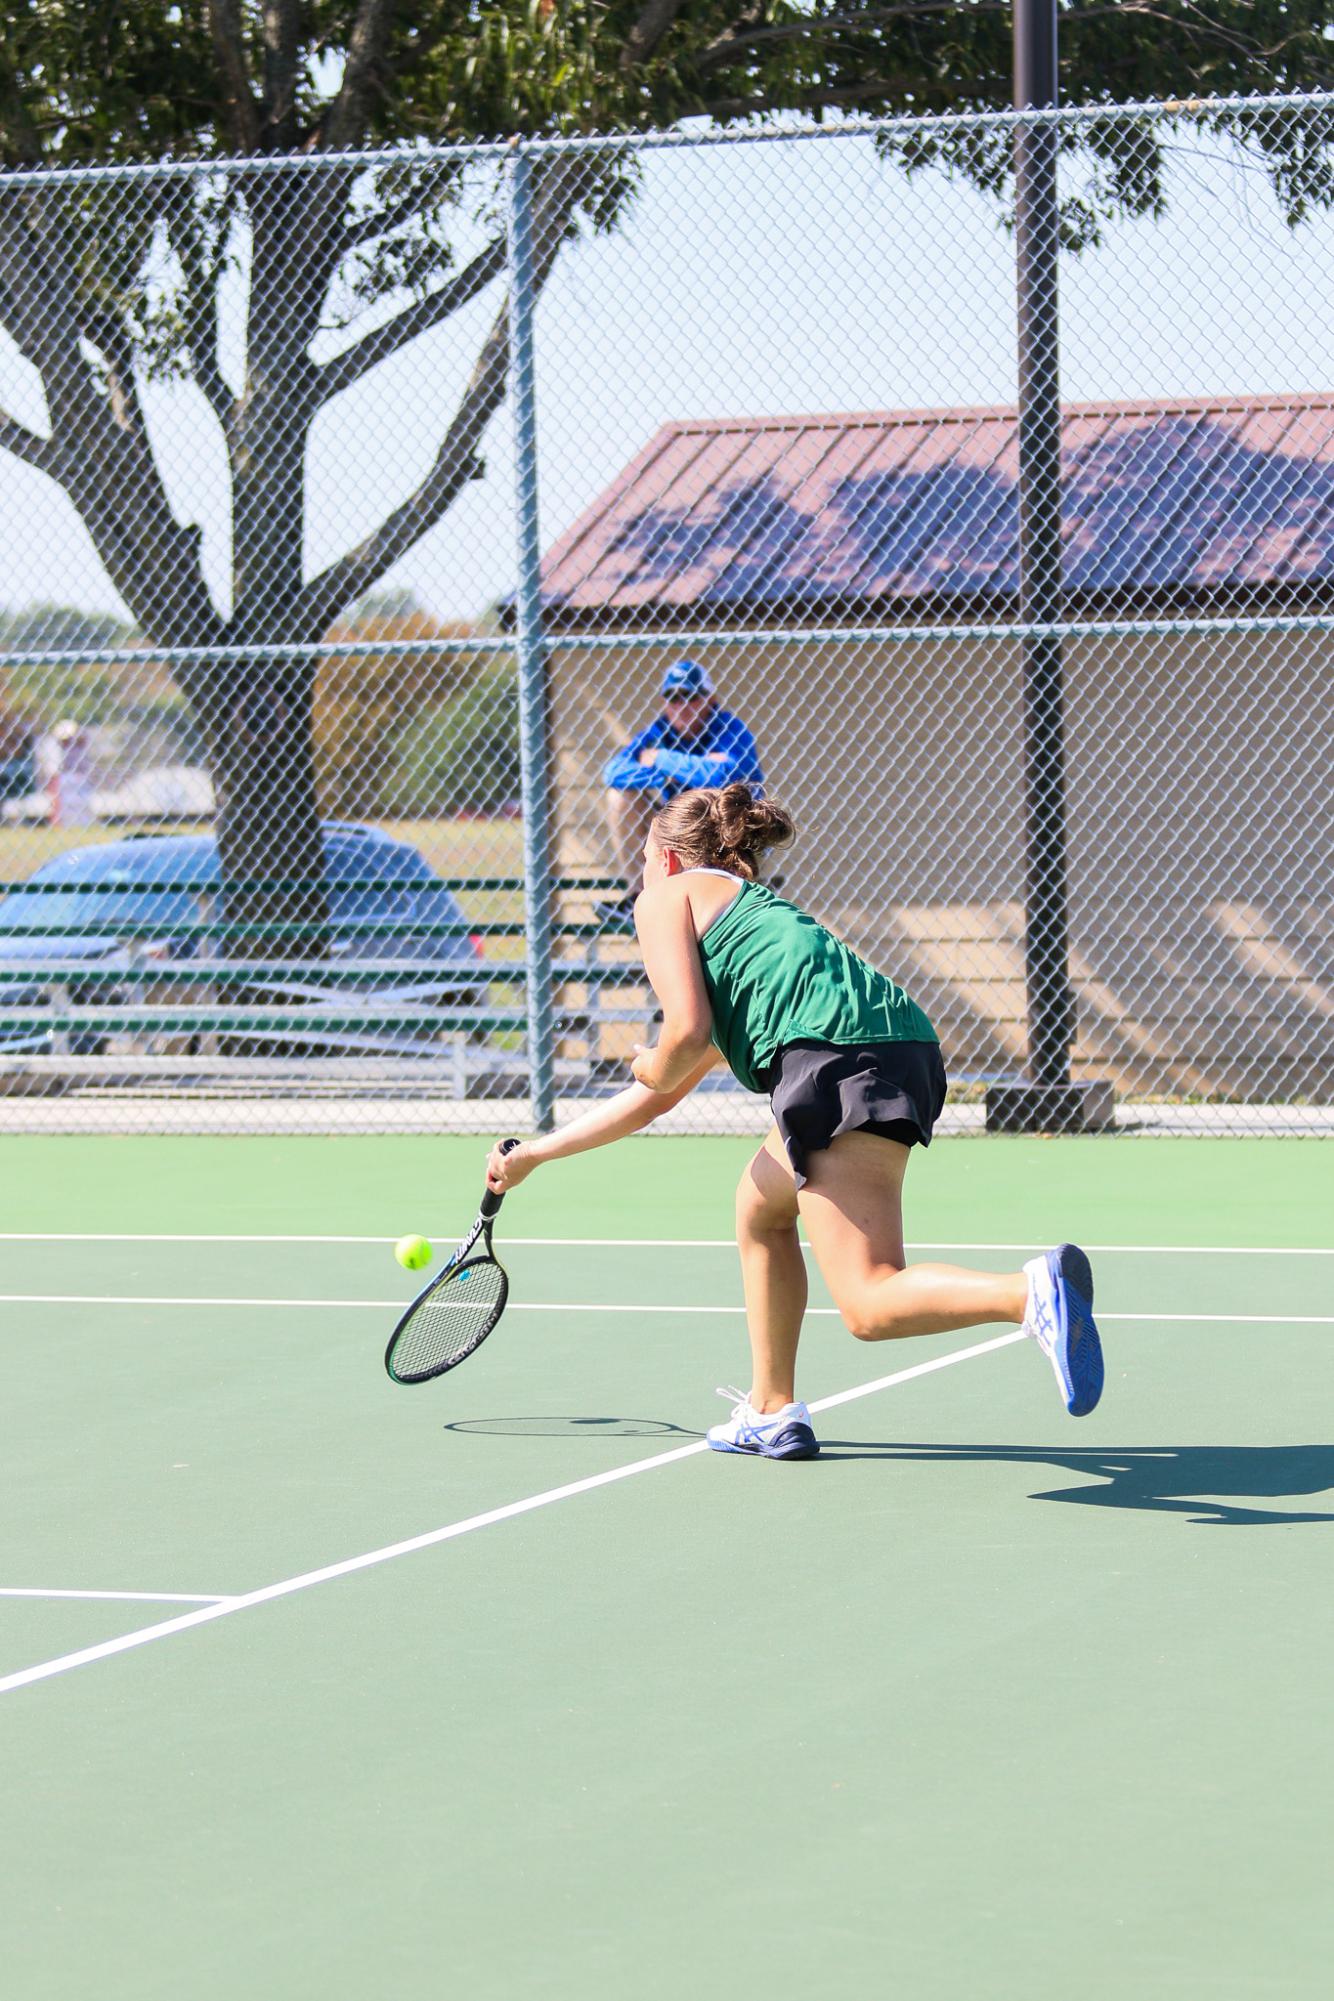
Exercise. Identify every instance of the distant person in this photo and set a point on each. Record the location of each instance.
(693, 743)
(70, 789)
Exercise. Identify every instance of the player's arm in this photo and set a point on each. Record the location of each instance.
(667, 941)
(628, 1112)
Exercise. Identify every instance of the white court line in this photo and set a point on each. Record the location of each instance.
(144, 1597)
(361, 1305)
(914, 1244)
(579, 1306)
(175, 1237)
(653, 1243)
(226, 1606)
(1228, 1319)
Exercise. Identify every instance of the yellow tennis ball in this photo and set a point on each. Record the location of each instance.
(412, 1253)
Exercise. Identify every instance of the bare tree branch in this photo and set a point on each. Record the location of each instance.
(744, 36)
(212, 382)
(730, 44)
(228, 33)
(1201, 29)
(739, 33)
(201, 278)
(16, 316)
(349, 366)
(345, 121)
(555, 199)
(109, 336)
(99, 448)
(282, 55)
(370, 228)
(455, 464)
(27, 445)
(654, 21)
(35, 271)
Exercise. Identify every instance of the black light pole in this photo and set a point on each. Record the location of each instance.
(1049, 1101)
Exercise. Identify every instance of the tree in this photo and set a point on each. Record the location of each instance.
(459, 754)
(103, 290)
(363, 700)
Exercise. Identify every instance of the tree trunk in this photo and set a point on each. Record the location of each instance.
(257, 715)
(257, 726)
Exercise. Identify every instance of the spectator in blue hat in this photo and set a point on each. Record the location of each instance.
(693, 743)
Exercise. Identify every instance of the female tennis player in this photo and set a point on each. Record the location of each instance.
(853, 1070)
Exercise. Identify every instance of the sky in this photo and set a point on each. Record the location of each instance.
(747, 280)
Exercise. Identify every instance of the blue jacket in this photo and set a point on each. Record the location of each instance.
(723, 752)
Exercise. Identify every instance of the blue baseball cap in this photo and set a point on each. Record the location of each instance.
(686, 677)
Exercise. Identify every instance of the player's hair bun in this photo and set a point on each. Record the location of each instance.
(746, 826)
(728, 826)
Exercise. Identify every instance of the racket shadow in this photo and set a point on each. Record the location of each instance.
(584, 1428)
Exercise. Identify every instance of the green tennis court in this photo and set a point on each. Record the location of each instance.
(984, 1702)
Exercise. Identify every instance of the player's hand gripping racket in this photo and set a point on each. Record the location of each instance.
(452, 1316)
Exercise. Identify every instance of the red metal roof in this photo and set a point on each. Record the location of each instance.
(1203, 501)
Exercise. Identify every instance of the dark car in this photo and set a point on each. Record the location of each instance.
(140, 882)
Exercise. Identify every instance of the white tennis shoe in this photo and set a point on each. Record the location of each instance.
(779, 1434)
(1059, 1316)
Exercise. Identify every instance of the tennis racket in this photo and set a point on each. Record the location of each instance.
(452, 1316)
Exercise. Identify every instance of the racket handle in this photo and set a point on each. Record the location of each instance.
(491, 1201)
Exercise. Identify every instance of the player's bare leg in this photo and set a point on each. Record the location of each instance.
(852, 1206)
(766, 1421)
(773, 1272)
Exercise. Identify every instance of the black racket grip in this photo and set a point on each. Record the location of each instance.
(491, 1201)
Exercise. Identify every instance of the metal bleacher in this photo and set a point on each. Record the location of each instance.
(204, 1007)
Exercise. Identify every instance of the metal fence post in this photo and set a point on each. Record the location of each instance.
(1049, 1100)
(533, 739)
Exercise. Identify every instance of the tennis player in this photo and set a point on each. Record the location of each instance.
(853, 1070)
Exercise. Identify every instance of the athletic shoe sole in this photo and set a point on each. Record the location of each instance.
(1078, 1349)
(795, 1441)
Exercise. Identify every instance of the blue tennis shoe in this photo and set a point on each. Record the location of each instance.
(1060, 1319)
(782, 1434)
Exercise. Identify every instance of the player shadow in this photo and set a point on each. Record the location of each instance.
(1208, 1484)
(572, 1427)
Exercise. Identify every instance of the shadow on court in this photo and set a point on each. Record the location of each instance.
(572, 1427)
(1208, 1484)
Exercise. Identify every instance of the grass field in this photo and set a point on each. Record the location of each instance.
(452, 847)
(314, 1686)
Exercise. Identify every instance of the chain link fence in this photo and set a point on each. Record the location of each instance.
(359, 506)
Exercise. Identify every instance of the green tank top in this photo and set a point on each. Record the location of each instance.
(774, 976)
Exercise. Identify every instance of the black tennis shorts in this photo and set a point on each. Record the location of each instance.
(895, 1089)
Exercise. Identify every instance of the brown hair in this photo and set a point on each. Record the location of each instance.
(723, 827)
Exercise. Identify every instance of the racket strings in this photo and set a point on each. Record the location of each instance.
(459, 1311)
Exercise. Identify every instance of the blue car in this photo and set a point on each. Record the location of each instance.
(142, 878)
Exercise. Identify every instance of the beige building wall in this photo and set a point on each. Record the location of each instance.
(1200, 833)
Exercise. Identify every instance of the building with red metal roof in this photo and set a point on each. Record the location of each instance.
(1169, 506)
